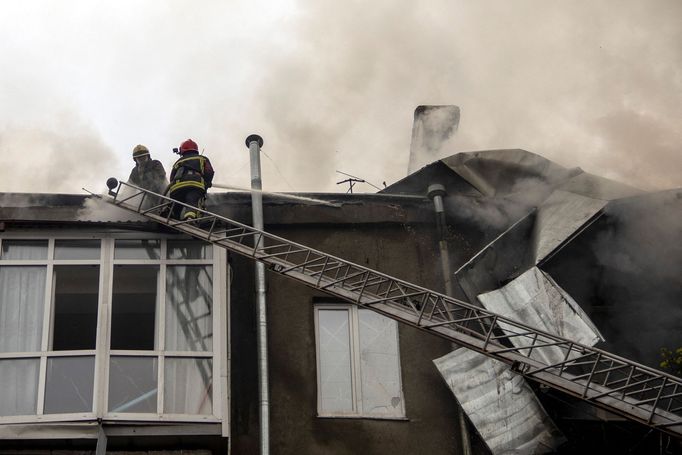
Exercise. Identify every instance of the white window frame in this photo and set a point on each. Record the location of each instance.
(355, 363)
(102, 352)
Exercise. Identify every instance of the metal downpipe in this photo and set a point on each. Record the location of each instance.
(436, 193)
(254, 143)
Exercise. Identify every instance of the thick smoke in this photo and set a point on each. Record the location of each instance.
(333, 85)
(36, 160)
(640, 257)
(589, 84)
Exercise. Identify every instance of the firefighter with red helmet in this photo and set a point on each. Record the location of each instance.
(190, 177)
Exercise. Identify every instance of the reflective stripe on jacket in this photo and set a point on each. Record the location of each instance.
(192, 170)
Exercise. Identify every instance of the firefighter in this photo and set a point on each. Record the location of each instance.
(190, 177)
(147, 173)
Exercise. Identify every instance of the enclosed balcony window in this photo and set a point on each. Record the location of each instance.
(110, 328)
(76, 295)
(134, 303)
(77, 249)
(137, 249)
(69, 384)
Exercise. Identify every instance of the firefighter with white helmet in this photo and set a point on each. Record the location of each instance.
(190, 177)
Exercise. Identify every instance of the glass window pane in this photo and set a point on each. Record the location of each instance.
(188, 386)
(189, 313)
(336, 393)
(24, 249)
(132, 384)
(189, 249)
(76, 249)
(69, 384)
(137, 249)
(19, 390)
(379, 365)
(22, 298)
(133, 307)
(75, 307)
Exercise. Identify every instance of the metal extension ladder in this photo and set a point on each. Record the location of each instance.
(619, 385)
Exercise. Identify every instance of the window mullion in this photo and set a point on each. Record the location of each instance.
(47, 306)
(47, 322)
(355, 358)
(41, 384)
(161, 324)
(318, 360)
(103, 328)
(219, 364)
(159, 387)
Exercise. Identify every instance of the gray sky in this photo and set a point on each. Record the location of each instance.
(332, 86)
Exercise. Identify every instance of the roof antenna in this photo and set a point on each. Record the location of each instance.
(352, 180)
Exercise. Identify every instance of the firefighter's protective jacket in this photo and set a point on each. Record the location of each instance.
(149, 175)
(191, 171)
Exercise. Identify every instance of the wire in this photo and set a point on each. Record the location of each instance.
(278, 171)
(365, 181)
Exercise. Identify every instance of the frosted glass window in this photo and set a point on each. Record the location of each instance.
(359, 363)
(76, 249)
(189, 308)
(379, 365)
(24, 249)
(336, 393)
(189, 249)
(69, 384)
(19, 386)
(137, 249)
(22, 298)
(188, 386)
(133, 384)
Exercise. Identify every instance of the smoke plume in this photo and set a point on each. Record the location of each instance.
(333, 85)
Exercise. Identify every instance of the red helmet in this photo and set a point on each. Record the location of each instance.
(188, 146)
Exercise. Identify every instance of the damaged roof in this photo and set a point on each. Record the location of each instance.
(330, 208)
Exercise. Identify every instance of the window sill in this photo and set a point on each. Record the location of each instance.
(362, 417)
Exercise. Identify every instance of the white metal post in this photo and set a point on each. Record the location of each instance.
(254, 143)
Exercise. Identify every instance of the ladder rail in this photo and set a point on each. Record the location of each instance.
(579, 370)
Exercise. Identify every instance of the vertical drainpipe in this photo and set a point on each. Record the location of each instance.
(436, 193)
(254, 143)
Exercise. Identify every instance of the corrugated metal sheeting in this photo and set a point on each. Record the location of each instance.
(500, 404)
(536, 300)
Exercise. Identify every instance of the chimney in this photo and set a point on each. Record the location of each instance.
(432, 126)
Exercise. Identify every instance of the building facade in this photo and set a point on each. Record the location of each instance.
(114, 328)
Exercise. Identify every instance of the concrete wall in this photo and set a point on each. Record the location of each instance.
(407, 252)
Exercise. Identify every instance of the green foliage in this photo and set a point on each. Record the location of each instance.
(672, 360)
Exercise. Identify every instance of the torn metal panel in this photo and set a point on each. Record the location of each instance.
(559, 216)
(598, 187)
(507, 255)
(500, 404)
(498, 172)
(536, 300)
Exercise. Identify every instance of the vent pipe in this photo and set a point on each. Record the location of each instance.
(436, 193)
(254, 143)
